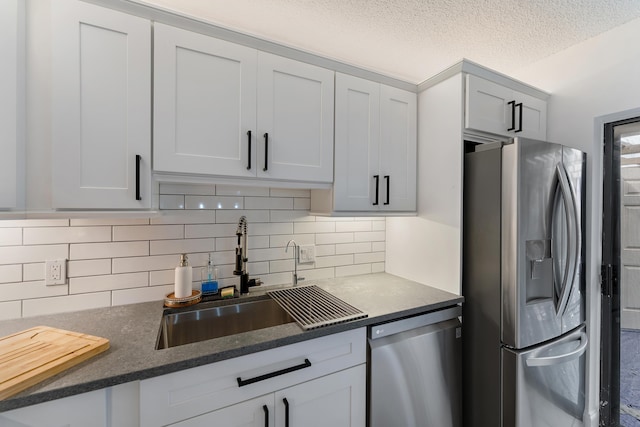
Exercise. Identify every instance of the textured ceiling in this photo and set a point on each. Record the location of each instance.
(414, 39)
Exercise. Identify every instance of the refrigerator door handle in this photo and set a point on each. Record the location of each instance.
(575, 237)
(560, 358)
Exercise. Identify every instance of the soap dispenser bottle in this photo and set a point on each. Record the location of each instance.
(210, 282)
(183, 278)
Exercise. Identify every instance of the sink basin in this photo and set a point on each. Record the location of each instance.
(219, 320)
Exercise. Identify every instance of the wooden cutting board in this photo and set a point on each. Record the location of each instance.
(35, 354)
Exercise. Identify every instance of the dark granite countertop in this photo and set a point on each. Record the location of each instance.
(133, 330)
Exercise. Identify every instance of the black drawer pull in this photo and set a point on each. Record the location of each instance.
(286, 412)
(377, 178)
(242, 383)
(387, 178)
(265, 408)
(266, 152)
(249, 157)
(519, 106)
(138, 159)
(513, 115)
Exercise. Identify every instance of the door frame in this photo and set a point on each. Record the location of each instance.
(610, 274)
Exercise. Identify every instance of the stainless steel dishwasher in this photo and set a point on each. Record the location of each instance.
(415, 371)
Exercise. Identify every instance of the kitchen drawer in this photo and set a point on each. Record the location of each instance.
(180, 395)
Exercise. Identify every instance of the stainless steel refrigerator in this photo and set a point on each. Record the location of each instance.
(524, 333)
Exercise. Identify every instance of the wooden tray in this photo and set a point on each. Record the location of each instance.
(35, 354)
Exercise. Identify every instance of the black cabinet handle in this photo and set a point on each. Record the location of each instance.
(266, 152)
(286, 412)
(249, 157)
(242, 383)
(377, 178)
(138, 159)
(513, 115)
(266, 415)
(519, 106)
(387, 178)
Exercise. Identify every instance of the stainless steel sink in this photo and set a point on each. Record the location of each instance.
(219, 319)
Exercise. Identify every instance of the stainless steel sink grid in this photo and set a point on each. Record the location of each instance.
(312, 307)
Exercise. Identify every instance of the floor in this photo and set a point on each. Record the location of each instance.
(629, 378)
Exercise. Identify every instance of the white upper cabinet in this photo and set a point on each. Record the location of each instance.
(204, 104)
(295, 120)
(375, 147)
(11, 92)
(101, 117)
(223, 109)
(500, 110)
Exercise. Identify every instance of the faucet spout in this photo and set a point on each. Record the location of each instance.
(296, 260)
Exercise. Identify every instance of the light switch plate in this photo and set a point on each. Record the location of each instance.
(307, 254)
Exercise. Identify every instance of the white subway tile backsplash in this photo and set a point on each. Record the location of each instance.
(163, 247)
(233, 190)
(353, 248)
(281, 240)
(10, 236)
(233, 216)
(202, 189)
(82, 285)
(324, 239)
(114, 261)
(147, 232)
(368, 258)
(31, 272)
(10, 310)
(65, 304)
(213, 202)
(334, 260)
(342, 227)
(108, 250)
(158, 262)
(314, 227)
(10, 273)
(92, 267)
(27, 254)
(369, 236)
(352, 270)
(28, 290)
(291, 216)
(290, 192)
(171, 201)
(280, 203)
(53, 235)
(185, 217)
(131, 296)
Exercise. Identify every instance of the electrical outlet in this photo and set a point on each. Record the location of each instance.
(307, 254)
(55, 272)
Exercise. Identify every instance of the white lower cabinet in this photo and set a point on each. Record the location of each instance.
(109, 407)
(336, 400)
(323, 381)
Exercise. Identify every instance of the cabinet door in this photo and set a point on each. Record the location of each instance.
(534, 117)
(357, 143)
(258, 412)
(204, 104)
(336, 400)
(398, 149)
(487, 107)
(496, 109)
(295, 120)
(9, 97)
(101, 107)
(88, 409)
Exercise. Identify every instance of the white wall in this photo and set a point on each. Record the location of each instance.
(427, 248)
(591, 83)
